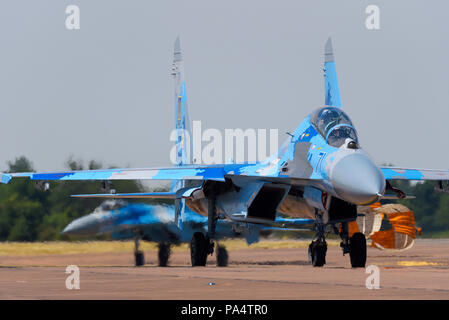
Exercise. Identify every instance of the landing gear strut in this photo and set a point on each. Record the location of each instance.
(344, 235)
(201, 246)
(318, 247)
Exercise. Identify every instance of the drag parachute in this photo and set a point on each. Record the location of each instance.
(389, 226)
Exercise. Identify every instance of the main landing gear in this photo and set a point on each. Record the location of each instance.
(354, 245)
(318, 247)
(203, 245)
(200, 247)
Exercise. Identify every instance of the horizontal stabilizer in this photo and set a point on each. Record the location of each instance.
(150, 195)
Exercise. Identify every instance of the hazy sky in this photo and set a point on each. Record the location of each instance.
(104, 92)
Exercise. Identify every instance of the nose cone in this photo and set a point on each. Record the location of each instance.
(358, 180)
(88, 225)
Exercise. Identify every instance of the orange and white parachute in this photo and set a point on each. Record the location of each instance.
(389, 226)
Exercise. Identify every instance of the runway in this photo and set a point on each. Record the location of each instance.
(419, 273)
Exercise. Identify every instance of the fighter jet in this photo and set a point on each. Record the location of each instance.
(139, 221)
(321, 172)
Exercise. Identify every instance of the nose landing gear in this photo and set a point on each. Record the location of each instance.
(354, 245)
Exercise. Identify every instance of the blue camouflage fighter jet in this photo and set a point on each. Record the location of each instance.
(123, 220)
(320, 173)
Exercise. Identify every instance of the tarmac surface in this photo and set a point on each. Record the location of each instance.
(419, 273)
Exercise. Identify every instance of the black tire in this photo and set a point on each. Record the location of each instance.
(198, 250)
(163, 254)
(222, 256)
(317, 252)
(357, 250)
(139, 258)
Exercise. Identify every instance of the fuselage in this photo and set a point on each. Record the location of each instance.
(322, 159)
(335, 156)
(156, 223)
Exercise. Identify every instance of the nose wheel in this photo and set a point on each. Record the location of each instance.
(354, 245)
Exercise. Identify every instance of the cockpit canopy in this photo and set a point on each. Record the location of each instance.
(334, 125)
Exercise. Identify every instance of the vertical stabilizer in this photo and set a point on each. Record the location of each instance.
(331, 90)
(182, 127)
(182, 123)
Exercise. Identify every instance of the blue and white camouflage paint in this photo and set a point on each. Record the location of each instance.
(322, 159)
(156, 223)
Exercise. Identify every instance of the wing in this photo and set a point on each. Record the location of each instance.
(213, 172)
(397, 173)
(259, 171)
(253, 172)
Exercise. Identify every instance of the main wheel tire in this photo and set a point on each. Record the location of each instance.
(317, 252)
(222, 256)
(198, 249)
(163, 254)
(357, 250)
(139, 258)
